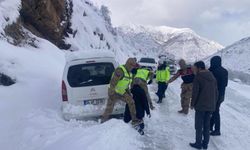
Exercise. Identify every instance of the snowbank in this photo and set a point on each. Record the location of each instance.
(38, 73)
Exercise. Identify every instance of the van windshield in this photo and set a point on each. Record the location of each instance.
(148, 60)
(90, 74)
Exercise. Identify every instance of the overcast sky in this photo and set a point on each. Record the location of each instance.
(224, 21)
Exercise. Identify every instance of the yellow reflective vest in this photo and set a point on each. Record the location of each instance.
(125, 82)
(142, 74)
(163, 75)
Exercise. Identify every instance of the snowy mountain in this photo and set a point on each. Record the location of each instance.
(30, 110)
(236, 59)
(182, 43)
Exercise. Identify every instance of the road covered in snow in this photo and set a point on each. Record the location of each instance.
(44, 129)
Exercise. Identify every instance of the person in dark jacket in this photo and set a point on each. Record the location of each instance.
(221, 75)
(141, 105)
(204, 98)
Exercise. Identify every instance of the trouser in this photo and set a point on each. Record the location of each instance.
(162, 87)
(202, 126)
(186, 95)
(144, 85)
(127, 98)
(140, 99)
(215, 119)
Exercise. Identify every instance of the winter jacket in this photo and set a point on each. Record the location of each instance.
(119, 74)
(220, 73)
(205, 93)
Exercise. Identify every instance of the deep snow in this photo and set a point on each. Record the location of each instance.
(30, 109)
(31, 116)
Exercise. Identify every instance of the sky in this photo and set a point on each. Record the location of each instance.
(224, 21)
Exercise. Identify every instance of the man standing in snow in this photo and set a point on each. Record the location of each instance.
(120, 90)
(162, 77)
(221, 75)
(187, 76)
(204, 98)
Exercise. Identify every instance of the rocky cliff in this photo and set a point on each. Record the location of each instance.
(48, 19)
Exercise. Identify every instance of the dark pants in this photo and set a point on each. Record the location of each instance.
(162, 87)
(215, 119)
(202, 124)
(141, 104)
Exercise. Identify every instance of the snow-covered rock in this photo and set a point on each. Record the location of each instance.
(182, 43)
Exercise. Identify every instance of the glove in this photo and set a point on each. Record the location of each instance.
(151, 106)
(150, 81)
(149, 115)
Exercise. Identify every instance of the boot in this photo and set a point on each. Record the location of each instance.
(159, 101)
(136, 122)
(181, 111)
(195, 145)
(185, 112)
(215, 133)
(204, 146)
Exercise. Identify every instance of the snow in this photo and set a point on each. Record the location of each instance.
(36, 123)
(236, 56)
(180, 42)
(30, 110)
(70, 56)
(94, 32)
(8, 12)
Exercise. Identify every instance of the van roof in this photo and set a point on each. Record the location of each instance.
(80, 55)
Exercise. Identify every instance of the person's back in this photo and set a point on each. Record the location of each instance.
(205, 91)
(220, 73)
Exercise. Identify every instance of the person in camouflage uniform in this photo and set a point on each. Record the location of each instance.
(141, 78)
(187, 76)
(120, 90)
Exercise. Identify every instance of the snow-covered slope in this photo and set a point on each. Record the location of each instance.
(182, 43)
(236, 56)
(27, 107)
(93, 30)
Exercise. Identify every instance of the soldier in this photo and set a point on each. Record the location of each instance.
(187, 76)
(162, 77)
(141, 78)
(119, 90)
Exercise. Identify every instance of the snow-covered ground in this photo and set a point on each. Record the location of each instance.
(30, 109)
(31, 118)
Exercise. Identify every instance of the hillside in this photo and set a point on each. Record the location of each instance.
(182, 43)
(236, 59)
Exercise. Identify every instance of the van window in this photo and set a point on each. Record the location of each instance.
(90, 74)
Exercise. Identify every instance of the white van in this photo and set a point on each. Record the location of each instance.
(149, 63)
(85, 85)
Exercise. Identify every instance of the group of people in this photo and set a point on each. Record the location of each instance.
(202, 89)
